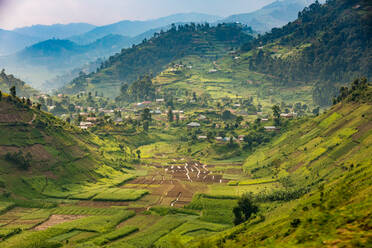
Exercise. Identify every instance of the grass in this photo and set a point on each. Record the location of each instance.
(5, 206)
(152, 234)
(77, 210)
(214, 209)
(101, 224)
(120, 194)
(115, 235)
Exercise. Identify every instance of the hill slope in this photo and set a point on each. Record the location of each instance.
(328, 157)
(23, 90)
(154, 54)
(330, 42)
(37, 148)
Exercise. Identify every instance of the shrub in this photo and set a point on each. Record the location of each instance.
(18, 158)
(245, 209)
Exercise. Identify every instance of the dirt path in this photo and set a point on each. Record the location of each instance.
(176, 200)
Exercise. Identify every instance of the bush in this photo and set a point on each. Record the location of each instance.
(245, 209)
(18, 158)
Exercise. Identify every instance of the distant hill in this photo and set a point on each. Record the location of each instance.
(67, 54)
(270, 16)
(47, 59)
(19, 38)
(57, 31)
(152, 56)
(11, 42)
(134, 28)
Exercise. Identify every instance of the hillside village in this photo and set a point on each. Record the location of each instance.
(199, 135)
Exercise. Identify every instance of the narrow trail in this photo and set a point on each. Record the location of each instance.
(178, 197)
(187, 172)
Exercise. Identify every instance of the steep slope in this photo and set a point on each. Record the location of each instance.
(8, 81)
(324, 164)
(38, 149)
(151, 56)
(330, 42)
(134, 28)
(273, 15)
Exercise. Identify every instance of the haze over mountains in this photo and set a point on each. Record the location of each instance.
(271, 16)
(40, 53)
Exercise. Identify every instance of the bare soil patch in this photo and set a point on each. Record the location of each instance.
(57, 219)
(362, 129)
(37, 151)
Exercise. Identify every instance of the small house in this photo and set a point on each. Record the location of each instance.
(271, 128)
(193, 125)
(202, 137)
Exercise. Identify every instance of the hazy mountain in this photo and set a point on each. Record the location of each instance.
(272, 15)
(58, 31)
(55, 53)
(48, 59)
(10, 42)
(17, 39)
(134, 28)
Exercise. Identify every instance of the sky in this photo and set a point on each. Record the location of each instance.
(20, 13)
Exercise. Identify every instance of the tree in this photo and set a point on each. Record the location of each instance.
(71, 107)
(146, 126)
(316, 111)
(226, 115)
(194, 96)
(238, 120)
(146, 115)
(245, 209)
(13, 91)
(276, 114)
(138, 154)
(170, 114)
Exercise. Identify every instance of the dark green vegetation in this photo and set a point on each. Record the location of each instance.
(153, 55)
(331, 42)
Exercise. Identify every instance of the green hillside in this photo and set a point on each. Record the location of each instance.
(41, 154)
(23, 89)
(151, 56)
(323, 164)
(330, 42)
